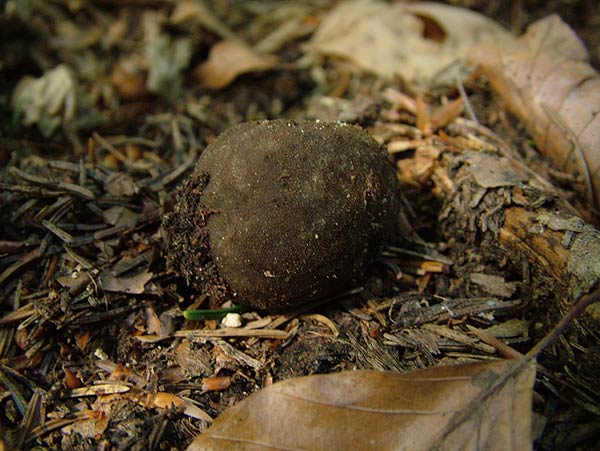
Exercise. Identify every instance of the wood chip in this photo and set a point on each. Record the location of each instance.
(238, 355)
(494, 285)
(403, 145)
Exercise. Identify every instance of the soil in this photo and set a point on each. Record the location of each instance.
(87, 297)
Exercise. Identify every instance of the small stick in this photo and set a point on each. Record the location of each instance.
(518, 366)
(553, 335)
(230, 332)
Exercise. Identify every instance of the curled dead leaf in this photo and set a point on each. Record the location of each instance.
(229, 59)
(471, 406)
(391, 39)
(547, 82)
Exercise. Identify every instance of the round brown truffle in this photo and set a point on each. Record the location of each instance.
(278, 213)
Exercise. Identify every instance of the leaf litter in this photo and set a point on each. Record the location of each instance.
(546, 79)
(95, 350)
(227, 60)
(424, 42)
(381, 410)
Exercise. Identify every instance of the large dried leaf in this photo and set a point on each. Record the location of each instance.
(546, 80)
(468, 407)
(417, 41)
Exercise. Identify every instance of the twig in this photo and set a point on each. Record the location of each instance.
(31, 256)
(157, 185)
(112, 150)
(32, 416)
(505, 350)
(77, 190)
(57, 423)
(31, 190)
(230, 332)
(553, 335)
(60, 233)
(467, 104)
(15, 393)
(517, 367)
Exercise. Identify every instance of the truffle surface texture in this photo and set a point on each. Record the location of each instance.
(278, 213)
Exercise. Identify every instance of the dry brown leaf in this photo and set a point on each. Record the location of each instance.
(152, 321)
(493, 284)
(227, 60)
(546, 80)
(441, 408)
(392, 39)
(133, 284)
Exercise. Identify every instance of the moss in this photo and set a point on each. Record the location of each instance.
(278, 213)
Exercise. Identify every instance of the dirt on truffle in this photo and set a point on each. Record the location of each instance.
(279, 213)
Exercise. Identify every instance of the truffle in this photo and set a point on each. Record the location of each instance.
(277, 213)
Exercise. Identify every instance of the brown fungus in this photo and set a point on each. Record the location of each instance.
(278, 213)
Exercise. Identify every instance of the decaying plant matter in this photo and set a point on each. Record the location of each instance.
(105, 346)
(546, 79)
